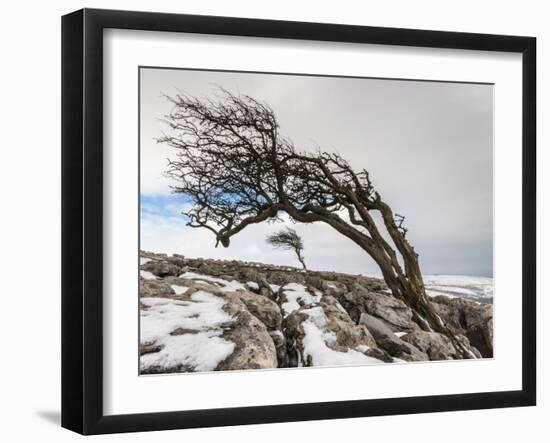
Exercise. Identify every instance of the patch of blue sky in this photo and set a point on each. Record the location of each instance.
(163, 206)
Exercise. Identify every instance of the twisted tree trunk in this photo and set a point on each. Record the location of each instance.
(301, 260)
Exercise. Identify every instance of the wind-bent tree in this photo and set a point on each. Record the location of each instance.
(238, 170)
(290, 240)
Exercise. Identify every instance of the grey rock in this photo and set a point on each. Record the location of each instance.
(348, 334)
(437, 346)
(466, 343)
(333, 288)
(254, 347)
(279, 341)
(469, 318)
(154, 288)
(402, 350)
(391, 343)
(379, 354)
(395, 312)
(294, 334)
(162, 268)
(261, 307)
(315, 281)
(376, 326)
(192, 285)
(260, 279)
(360, 299)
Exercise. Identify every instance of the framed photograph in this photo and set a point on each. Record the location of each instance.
(269, 221)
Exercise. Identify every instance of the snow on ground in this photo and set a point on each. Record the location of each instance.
(202, 351)
(474, 288)
(276, 333)
(143, 260)
(316, 339)
(400, 334)
(147, 275)
(223, 285)
(275, 288)
(253, 285)
(435, 293)
(296, 292)
(453, 290)
(179, 289)
(200, 345)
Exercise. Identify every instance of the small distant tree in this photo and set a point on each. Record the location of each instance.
(289, 240)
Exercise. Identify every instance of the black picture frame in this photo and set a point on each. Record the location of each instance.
(82, 218)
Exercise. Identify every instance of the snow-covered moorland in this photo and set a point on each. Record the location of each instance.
(207, 315)
(475, 288)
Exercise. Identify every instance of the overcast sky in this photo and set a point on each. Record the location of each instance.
(427, 145)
